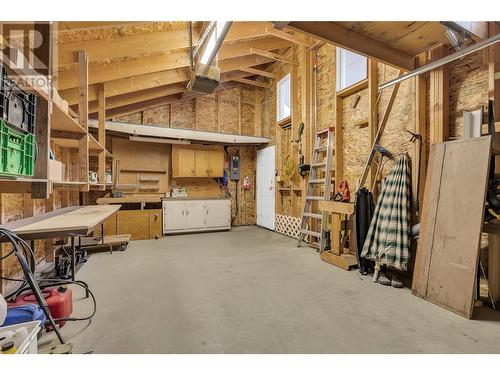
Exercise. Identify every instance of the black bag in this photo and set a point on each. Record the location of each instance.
(363, 216)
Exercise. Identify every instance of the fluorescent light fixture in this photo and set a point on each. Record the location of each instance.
(212, 41)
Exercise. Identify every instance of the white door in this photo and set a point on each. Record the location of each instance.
(218, 213)
(174, 215)
(265, 187)
(196, 214)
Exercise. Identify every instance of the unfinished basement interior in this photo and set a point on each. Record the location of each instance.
(249, 187)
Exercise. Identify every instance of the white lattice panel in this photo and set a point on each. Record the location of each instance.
(287, 225)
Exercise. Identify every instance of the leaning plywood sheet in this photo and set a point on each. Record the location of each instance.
(452, 217)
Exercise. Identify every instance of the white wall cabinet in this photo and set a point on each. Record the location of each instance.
(196, 215)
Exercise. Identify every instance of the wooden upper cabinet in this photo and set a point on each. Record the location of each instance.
(183, 162)
(197, 161)
(202, 163)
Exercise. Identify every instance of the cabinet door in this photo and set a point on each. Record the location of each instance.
(184, 163)
(174, 215)
(155, 224)
(202, 163)
(218, 213)
(135, 223)
(196, 214)
(215, 163)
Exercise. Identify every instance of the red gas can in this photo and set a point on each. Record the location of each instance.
(59, 300)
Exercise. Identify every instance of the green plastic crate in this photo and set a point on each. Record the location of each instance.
(17, 152)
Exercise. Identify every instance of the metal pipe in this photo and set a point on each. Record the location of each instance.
(208, 31)
(445, 60)
(218, 44)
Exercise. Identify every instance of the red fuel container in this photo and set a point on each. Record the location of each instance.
(59, 300)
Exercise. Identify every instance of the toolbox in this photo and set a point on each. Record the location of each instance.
(17, 106)
(59, 300)
(17, 151)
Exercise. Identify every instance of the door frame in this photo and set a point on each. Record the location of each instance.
(272, 193)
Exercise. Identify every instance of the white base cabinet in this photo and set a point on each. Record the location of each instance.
(196, 215)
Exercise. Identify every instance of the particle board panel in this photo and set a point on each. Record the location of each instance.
(448, 250)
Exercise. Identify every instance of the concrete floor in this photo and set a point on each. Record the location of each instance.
(253, 291)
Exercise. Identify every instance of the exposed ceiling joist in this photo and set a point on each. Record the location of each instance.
(150, 43)
(158, 79)
(73, 26)
(259, 72)
(331, 32)
(142, 106)
(153, 93)
(252, 82)
(475, 30)
(273, 56)
(118, 70)
(296, 39)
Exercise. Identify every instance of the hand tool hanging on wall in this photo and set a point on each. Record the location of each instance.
(303, 168)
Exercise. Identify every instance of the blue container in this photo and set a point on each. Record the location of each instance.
(23, 314)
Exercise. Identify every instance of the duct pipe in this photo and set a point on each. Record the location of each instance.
(218, 44)
(445, 60)
(208, 31)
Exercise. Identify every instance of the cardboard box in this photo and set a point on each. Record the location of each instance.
(55, 170)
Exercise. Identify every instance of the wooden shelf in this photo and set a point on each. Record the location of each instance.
(18, 184)
(94, 145)
(62, 121)
(71, 185)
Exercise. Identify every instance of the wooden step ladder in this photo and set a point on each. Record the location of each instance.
(321, 161)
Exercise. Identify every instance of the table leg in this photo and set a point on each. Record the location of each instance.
(73, 259)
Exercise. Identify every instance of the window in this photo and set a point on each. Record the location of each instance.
(351, 68)
(283, 99)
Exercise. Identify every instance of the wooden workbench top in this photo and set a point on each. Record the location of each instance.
(336, 207)
(64, 222)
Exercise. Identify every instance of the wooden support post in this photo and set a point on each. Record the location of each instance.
(239, 110)
(101, 133)
(307, 114)
(295, 120)
(420, 149)
(83, 115)
(439, 98)
(41, 190)
(258, 131)
(372, 114)
(339, 141)
(49, 242)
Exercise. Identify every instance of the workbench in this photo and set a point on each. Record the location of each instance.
(73, 221)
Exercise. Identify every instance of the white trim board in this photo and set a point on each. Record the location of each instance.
(192, 135)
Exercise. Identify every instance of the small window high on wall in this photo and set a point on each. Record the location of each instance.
(351, 68)
(283, 99)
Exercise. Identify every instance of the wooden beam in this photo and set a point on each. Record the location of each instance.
(273, 56)
(141, 106)
(83, 116)
(339, 140)
(130, 68)
(252, 82)
(157, 79)
(139, 96)
(439, 97)
(372, 115)
(333, 33)
(259, 72)
(101, 134)
(290, 37)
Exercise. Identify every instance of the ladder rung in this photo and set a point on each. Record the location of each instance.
(311, 233)
(318, 165)
(313, 216)
(323, 131)
(315, 198)
(320, 149)
(319, 181)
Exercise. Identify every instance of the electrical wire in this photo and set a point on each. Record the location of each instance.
(43, 282)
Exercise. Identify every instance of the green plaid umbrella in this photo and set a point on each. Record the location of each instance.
(388, 238)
